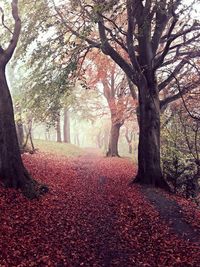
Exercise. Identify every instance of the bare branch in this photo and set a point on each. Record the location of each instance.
(3, 22)
(187, 88)
(109, 50)
(129, 38)
(160, 60)
(7, 53)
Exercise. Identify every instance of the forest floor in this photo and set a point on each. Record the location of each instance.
(91, 217)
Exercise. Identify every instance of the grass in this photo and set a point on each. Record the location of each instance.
(70, 150)
(63, 149)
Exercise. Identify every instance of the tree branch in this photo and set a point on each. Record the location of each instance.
(77, 34)
(170, 39)
(129, 37)
(17, 28)
(109, 50)
(161, 20)
(3, 22)
(177, 69)
(185, 90)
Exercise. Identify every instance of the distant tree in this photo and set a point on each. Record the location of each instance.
(103, 74)
(66, 126)
(12, 170)
(130, 133)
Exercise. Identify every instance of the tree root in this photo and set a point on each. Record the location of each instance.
(33, 189)
(159, 183)
(29, 187)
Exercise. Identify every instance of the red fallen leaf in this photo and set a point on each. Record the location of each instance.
(79, 223)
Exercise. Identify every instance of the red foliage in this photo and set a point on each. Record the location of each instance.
(89, 218)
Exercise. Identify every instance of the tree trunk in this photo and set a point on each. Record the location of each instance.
(31, 135)
(12, 171)
(77, 139)
(106, 139)
(47, 134)
(113, 142)
(130, 148)
(149, 168)
(20, 133)
(129, 138)
(99, 140)
(58, 131)
(66, 126)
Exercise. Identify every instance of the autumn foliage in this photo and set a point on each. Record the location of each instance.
(91, 217)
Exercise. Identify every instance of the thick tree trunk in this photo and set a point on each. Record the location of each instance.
(66, 127)
(58, 131)
(149, 168)
(113, 142)
(12, 171)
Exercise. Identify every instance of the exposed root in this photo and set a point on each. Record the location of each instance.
(33, 189)
(160, 183)
(111, 155)
(29, 187)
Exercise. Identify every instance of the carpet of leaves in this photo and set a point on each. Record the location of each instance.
(90, 218)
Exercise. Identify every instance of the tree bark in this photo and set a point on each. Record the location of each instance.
(58, 130)
(113, 142)
(149, 168)
(66, 126)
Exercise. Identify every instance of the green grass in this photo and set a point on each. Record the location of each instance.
(62, 149)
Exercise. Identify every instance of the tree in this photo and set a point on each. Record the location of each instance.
(152, 41)
(130, 133)
(58, 130)
(12, 170)
(66, 126)
(103, 74)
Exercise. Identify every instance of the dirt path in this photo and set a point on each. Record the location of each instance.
(103, 222)
(168, 209)
(90, 218)
(172, 214)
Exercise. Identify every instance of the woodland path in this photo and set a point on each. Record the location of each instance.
(91, 217)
